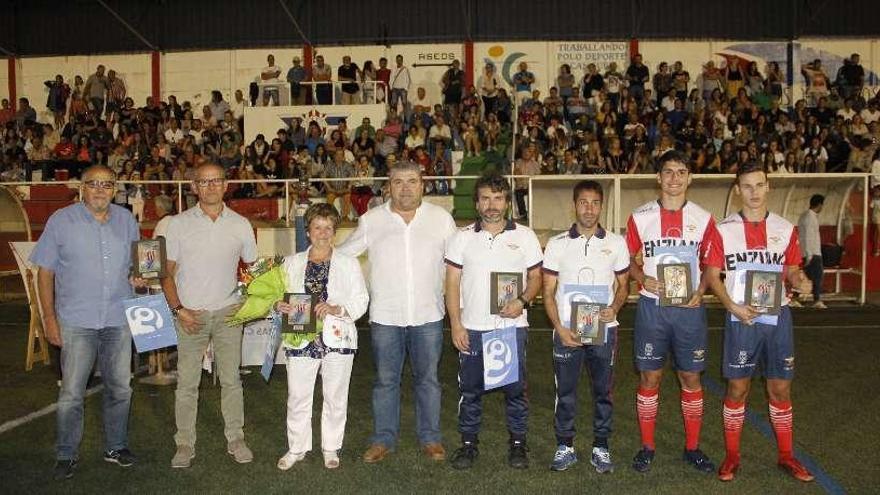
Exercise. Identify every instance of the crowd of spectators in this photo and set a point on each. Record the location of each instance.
(594, 123)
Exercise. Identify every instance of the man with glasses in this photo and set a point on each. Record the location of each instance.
(84, 257)
(204, 246)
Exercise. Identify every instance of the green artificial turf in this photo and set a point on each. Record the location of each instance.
(834, 403)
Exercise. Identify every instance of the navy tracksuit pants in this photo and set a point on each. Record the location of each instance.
(470, 384)
(568, 363)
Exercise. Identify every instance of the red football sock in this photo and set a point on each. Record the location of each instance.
(781, 419)
(647, 401)
(734, 415)
(692, 413)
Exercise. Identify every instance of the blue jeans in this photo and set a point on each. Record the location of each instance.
(81, 346)
(391, 344)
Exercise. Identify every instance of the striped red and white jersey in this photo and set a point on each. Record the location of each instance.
(772, 241)
(651, 226)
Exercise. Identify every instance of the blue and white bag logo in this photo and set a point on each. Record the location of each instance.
(150, 322)
(500, 358)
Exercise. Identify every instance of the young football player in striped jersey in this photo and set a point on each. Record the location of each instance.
(670, 222)
(759, 241)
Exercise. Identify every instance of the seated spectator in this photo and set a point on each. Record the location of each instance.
(361, 186)
(413, 139)
(339, 168)
(440, 131)
(491, 131)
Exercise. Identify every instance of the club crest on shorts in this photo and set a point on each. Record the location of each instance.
(743, 357)
(699, 354)
(649, 350)
(789, 363)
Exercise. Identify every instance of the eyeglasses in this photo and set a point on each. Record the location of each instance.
(100, 184)
(216, 181)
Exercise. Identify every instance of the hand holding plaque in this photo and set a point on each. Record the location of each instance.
(764, 291)
(148, 258)
(677, 286)
(504, 287)
(301, 317)
(586, 324)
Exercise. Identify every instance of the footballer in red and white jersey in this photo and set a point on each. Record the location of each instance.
(771, 241)
(651, 226)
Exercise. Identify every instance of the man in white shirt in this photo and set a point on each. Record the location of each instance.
(405, 239)
(204, 246)
(400, 83)
(270, 74)
(811, 245)
(174, 134)
(239, 105)
(588, 255)
(491, 245)
(440, 131)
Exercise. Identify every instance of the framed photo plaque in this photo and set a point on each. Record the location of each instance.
(302, 318)
(677, 284)
(764, 291)
(504, 287)
(148, 258)
(585, 322)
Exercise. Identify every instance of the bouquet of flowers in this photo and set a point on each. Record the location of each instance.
(263, 282)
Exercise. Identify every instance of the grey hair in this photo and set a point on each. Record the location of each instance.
(405, 166)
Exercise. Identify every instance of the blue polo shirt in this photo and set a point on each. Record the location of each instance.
(91, 262)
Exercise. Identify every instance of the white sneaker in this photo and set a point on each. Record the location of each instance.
(290, 459)
(820, 305)
(331, 459)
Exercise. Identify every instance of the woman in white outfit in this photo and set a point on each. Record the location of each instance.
(338, 283)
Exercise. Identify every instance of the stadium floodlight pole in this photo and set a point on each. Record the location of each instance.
(128, 26)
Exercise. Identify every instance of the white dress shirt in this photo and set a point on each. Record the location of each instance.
(808, 230)
(406, 263)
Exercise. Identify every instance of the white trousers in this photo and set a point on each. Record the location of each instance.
(335, 377)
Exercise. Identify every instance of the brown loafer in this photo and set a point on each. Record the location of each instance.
(375, 453)
(434, 452)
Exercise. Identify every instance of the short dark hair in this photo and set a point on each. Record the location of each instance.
(587, 185)
(322, 210)
(816, 200)
(749, 167)
(673, 156)
(495, 182)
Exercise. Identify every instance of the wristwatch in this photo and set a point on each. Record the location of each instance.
(176, 310)
(526, 304)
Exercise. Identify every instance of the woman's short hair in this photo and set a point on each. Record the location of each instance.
(322, 210)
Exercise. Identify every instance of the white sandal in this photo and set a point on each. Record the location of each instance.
(331, 459)
(289, 460)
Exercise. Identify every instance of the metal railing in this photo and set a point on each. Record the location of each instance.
(615, 215)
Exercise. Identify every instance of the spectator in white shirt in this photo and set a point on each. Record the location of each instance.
(270, 74)
(174, 135)
(400, 83)
(811, 246)
(405, 240)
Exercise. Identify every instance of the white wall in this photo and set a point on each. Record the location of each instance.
(192, 75)
(4, 78)
(133, 68)
(427, 77)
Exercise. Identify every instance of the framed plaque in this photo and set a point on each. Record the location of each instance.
(585, 322)
(148, 258)
(677, 284)
(764, 291)
(302, 318)
(503, 288)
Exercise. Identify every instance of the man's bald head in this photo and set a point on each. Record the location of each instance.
(98, 172)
